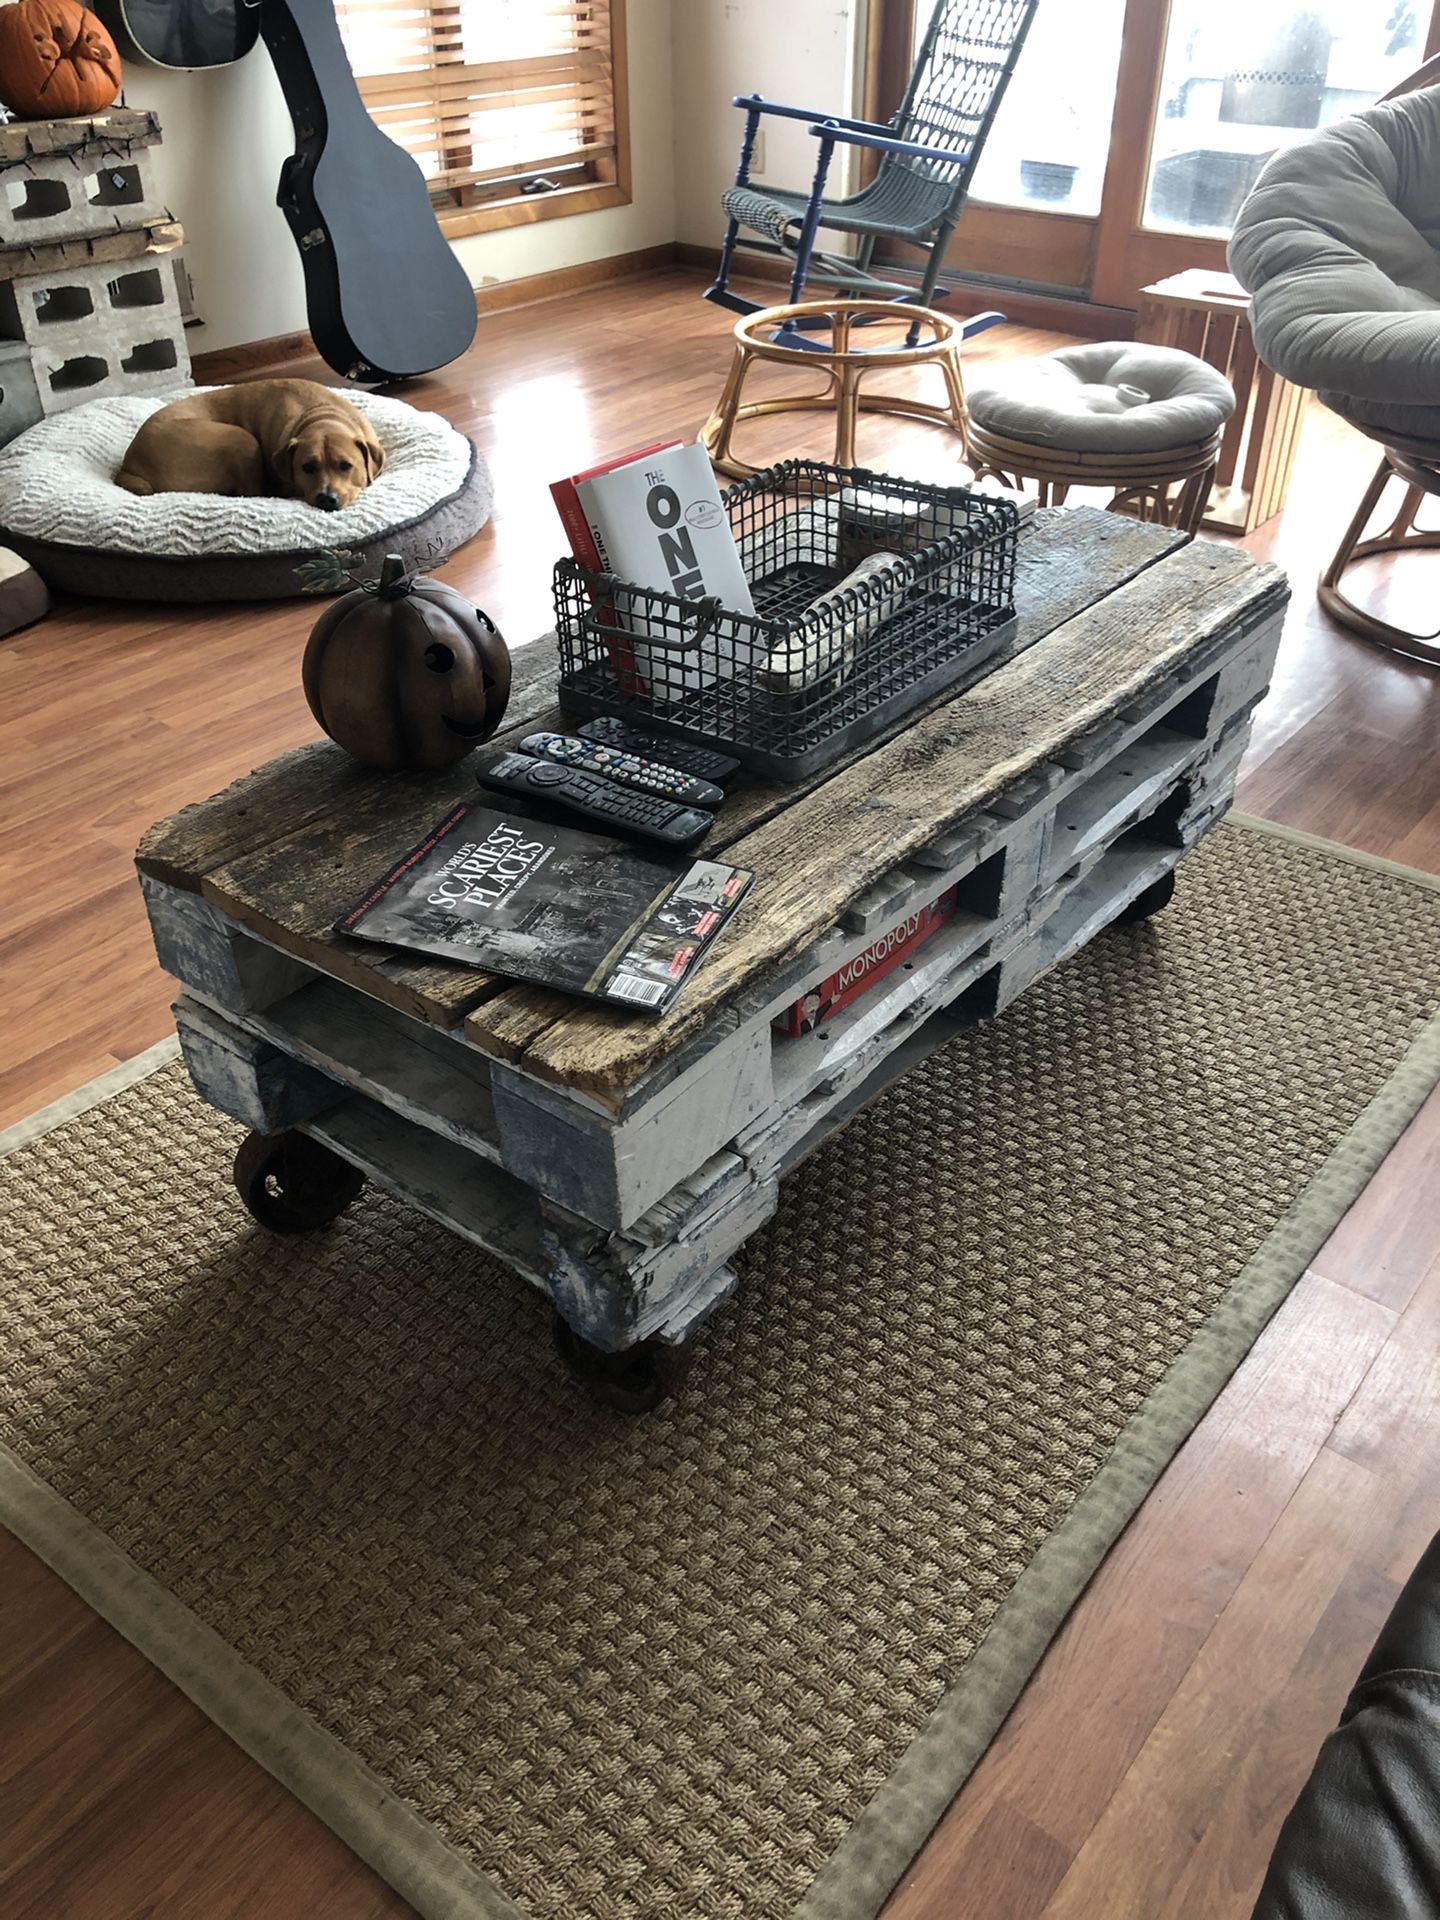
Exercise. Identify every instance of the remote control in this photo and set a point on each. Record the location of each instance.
(625, 769)
(596, 798)
(703, 762)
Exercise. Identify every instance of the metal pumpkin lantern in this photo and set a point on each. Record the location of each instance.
(404, 672)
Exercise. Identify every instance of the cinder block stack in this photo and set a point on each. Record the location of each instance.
(89, 293)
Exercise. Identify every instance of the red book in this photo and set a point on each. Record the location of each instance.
(582, 544)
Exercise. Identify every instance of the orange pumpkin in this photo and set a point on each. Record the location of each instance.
(56, 60)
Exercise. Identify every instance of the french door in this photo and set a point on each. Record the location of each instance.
(1133, 129)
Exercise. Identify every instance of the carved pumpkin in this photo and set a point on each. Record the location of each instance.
(406, 673)
(56, 60)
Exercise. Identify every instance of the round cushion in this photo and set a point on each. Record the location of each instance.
(1110, 396)
(1338, 246)
(62, 511)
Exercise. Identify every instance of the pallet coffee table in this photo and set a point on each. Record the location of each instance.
(617, 1162)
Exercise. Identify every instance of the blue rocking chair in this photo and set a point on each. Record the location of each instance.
(928, 154)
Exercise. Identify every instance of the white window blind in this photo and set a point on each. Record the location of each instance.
(487, 94)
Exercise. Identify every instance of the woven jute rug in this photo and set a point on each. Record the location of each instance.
(732, 1659)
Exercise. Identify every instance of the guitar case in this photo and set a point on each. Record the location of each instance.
(387, 298)
(190, 35)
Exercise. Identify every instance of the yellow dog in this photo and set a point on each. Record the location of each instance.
(289, 437)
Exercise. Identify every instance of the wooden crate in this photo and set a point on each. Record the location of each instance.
(1207, 314)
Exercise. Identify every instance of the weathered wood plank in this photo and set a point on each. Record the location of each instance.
(249, 1078)
(829, 846)
(200, 948)
(480, 1202)
(402, 1064)
(316, 782)
(613, 1172)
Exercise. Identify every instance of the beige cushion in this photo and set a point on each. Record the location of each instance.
(1339, 248)
(1111, 396)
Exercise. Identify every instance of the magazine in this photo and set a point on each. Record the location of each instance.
(552, 904)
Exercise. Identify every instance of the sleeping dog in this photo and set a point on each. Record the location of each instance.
(289, 437)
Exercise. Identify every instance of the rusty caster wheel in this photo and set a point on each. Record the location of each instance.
(632, 1381)
(1146, 905)
(292, 1184)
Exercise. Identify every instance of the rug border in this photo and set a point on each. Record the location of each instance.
(408, 1852)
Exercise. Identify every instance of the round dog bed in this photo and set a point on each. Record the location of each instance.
(61, 510)
(1107, 397)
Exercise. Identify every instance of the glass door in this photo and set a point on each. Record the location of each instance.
(1133, 129)
(1213, 89)
(1035, 197)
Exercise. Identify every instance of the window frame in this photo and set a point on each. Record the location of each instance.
(477, 208)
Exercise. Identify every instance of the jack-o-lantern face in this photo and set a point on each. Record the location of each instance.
(56, 60)
(409, 675)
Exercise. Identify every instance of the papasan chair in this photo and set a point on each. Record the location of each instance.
(1339, 247)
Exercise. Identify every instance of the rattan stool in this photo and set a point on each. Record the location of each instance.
(844, 366)
(1145, 422)
(1144, 484)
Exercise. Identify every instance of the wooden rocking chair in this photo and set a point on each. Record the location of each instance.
(928, 154)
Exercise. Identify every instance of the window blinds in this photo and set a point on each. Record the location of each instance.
(486, 93)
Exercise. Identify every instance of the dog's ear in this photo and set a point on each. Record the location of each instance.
(285, 464)
(372, 453)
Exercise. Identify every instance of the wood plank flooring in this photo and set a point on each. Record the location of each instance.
(1146, 1768)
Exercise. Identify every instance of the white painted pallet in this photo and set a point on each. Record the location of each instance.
(628, 1210)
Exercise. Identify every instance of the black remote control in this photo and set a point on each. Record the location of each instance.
(625, 769)
(703, 762)
(597, 799)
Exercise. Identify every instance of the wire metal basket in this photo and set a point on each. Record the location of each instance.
(793, 687)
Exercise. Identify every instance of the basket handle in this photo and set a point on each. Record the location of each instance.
(600, 621)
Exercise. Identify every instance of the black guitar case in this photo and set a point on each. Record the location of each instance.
(386, 296)
(189, 34)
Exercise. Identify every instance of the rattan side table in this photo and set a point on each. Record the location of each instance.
(782, 336)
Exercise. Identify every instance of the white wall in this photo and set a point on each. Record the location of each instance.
(227, 132)
(802, 52)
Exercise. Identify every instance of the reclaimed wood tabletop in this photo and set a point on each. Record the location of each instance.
(283, 852)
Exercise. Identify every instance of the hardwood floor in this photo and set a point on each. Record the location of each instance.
(1145, 1769)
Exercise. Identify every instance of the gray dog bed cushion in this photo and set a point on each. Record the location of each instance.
(1108, 396)
(1338, 246)
(62, 511)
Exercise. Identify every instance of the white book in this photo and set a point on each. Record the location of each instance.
(659, 522)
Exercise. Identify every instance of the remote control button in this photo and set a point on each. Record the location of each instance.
(546, 775)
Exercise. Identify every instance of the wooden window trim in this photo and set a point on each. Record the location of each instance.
(525, 208)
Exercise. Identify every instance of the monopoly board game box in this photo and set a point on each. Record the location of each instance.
(848, 983)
